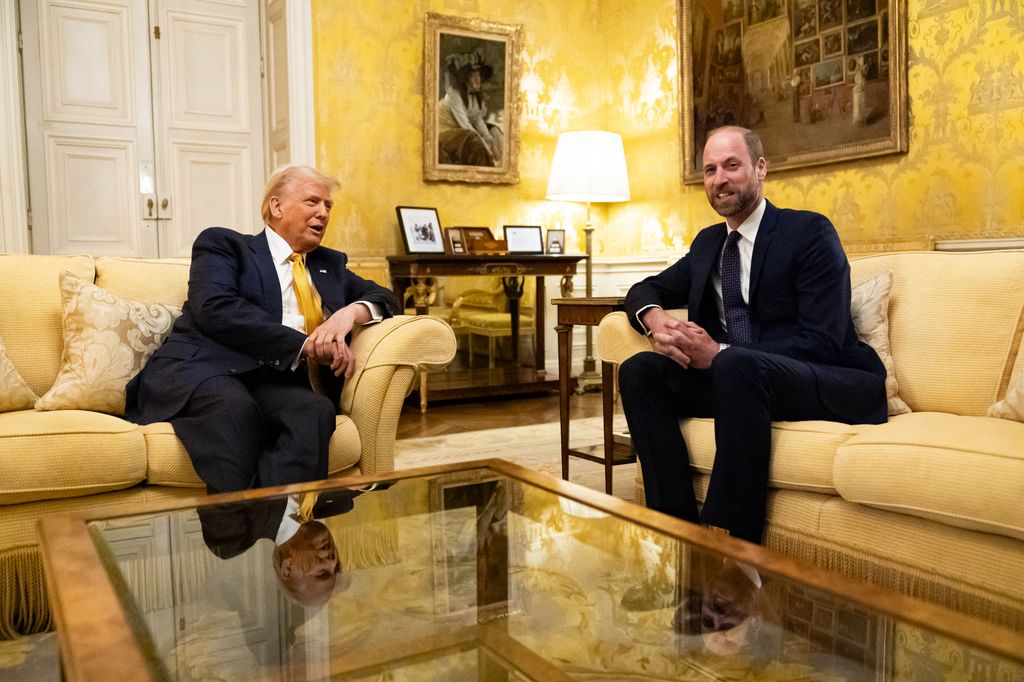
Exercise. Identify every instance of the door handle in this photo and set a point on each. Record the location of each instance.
(165, 207)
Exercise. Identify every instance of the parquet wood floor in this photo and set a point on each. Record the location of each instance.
(449, 417)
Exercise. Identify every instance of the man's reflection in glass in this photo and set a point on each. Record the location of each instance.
(305, 556)
(728, 614)
(730, 610)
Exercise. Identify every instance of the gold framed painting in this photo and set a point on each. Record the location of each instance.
(471, 103)
(821, 81)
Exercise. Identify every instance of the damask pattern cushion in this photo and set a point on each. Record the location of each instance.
(869, 306)
(107, 340)
(1012, 406)
(15, 394)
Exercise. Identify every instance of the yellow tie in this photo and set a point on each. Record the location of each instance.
(306, 503)
(309, 306)
(309, 301)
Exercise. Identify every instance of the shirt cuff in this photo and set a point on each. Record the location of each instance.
(639, 314)
(298, 357)
(375, 314)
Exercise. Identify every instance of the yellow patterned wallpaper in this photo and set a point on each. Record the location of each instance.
(613, 64)
(368, 80)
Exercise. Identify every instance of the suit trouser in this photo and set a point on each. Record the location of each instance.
(256, 429)
(744, 391)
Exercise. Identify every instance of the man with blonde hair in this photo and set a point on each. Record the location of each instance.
(251, 373)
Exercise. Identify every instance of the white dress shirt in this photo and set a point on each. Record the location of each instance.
(748, 233)
(291, 316)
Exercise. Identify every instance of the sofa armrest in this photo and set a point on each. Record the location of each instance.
(617, 340)
(389, 357)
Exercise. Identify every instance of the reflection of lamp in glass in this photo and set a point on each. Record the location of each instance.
(589, 166)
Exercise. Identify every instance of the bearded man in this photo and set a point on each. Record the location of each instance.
(769, 336)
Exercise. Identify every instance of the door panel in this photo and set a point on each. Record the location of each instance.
(100, 77)
(87, 71)
(211, 170)
(215, 184)
(85, 194)
(88, 125)
(276, 49)
(206, 74)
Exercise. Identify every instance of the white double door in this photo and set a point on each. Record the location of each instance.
(143, 122)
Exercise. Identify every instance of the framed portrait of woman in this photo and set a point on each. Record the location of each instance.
(471, 103)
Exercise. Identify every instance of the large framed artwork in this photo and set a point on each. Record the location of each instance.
(471, 102)
(820, 81)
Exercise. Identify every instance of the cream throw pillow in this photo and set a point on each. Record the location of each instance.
(15, 394)
(107, 340)
(869, 306)
(1012, 406)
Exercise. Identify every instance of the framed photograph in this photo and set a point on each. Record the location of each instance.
(823, 110)
(524, 238)
(421, 229)
(472, 234)
(554, 241)
(471, 102)
(453, 240)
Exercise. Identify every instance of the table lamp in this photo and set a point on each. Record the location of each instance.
(589, 167)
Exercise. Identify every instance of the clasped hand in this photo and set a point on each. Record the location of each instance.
(685, 342)
(326, 345)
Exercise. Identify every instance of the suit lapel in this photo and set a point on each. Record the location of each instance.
(326, 279)
(765, 234)
(268, 274)
(702, 266)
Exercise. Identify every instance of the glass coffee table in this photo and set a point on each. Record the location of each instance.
(475, 571)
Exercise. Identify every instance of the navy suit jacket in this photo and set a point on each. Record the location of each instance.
(230, 529)
(799, 302)
(231, 322)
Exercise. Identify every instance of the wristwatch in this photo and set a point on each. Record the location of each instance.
(722, 346)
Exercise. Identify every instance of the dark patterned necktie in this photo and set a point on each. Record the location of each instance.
(737, 316)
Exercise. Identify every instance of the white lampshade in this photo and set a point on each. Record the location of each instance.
(589, 165)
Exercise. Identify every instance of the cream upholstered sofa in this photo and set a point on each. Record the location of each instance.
(70, 459)
(932, 502)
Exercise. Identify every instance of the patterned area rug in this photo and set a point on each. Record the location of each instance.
(30, 659)
(535, 447)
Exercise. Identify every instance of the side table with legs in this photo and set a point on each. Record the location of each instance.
(589, 312)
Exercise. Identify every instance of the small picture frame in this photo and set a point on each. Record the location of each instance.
(474, 234)
(453, 241)
(524, 238)
(421, 229)
(554, 242)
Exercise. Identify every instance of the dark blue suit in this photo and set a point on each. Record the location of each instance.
(804, 362)
(226, 366)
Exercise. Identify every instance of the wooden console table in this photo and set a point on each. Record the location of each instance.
(421, 270)
(589, 312)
